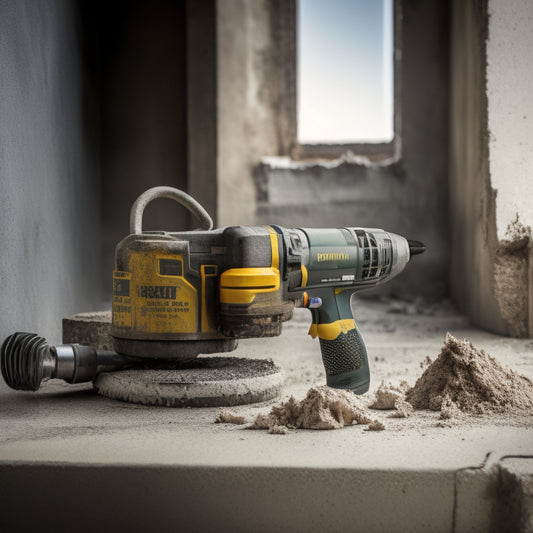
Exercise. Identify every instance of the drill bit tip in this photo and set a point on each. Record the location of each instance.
(415, 247)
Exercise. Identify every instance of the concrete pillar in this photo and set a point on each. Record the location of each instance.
(255, 97)
(490, 155)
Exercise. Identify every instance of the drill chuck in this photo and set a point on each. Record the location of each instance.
(26, 360)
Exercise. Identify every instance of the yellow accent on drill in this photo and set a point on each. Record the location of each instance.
(240, 285)
(331, 331)
(305, 276)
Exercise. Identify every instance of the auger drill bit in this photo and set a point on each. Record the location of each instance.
(27, 360)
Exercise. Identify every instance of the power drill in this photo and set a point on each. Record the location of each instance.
(180, 294)
(176, 295)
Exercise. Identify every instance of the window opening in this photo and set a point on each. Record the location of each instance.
(345, 86)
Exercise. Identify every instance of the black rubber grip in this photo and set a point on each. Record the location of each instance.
(346, 362)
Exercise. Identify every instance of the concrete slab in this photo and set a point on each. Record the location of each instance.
(177, 464)
(206, 382)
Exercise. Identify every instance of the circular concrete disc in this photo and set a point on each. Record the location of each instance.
(205, 382)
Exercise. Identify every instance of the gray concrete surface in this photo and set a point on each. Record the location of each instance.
(49, 179)
(140, 464)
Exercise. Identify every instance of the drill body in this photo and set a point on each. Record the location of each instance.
(176, 295)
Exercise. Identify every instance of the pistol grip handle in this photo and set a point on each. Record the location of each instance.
(343, 349)
(346, 361)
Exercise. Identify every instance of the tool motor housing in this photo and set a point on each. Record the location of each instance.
(206, 289)
(200, 289)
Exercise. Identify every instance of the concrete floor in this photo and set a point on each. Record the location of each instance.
(113, 465)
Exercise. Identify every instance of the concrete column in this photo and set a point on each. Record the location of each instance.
(490, 158)
(255, 97)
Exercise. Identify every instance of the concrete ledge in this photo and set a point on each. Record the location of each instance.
(118, 498)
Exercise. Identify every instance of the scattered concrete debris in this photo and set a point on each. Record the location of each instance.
(376, 425)
(449, 409)
(278, 430)
(467, 379)
(322, 408)
(403, 409)
(426, 362)
(227, 417)
(387, 394)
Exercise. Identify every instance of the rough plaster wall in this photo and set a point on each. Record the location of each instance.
(49, 183)
(407, 196)
(489, 181)
(510, 118)
(510, 111)
(254, 98)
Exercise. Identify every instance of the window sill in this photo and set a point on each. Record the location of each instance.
(327, 152)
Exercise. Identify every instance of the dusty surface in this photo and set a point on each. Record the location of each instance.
(73, 424)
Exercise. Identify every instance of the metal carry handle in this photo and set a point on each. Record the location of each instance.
(137, 209)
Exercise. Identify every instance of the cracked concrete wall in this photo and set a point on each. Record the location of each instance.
(406, 195)
(489, 163)
(49, 180)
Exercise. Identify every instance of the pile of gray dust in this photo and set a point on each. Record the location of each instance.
(322, 408)
(468, 379)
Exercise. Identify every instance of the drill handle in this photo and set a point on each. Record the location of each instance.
(342, 346)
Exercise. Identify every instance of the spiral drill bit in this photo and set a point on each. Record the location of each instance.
(26, 360)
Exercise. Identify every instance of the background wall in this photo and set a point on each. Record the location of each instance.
(510, 109)
(407, 194)
(49, 183)
(139, 53)
(100, 101)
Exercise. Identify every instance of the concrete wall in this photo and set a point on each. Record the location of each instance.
(255, 97)
(49, 181)
(490, 158)
(510, 110)
(141, 55)
(407, 194)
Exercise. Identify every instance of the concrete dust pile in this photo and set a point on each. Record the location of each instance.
(465, 379)
(227, 417)
(322, 408)
(389, 396)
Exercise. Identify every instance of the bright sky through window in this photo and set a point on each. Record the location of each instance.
(345, 71)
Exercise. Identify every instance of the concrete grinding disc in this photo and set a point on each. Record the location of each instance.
(206, 382)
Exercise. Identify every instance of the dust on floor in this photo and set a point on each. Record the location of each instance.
(463, 384)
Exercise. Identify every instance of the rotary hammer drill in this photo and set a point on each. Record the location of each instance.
(180, 294)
